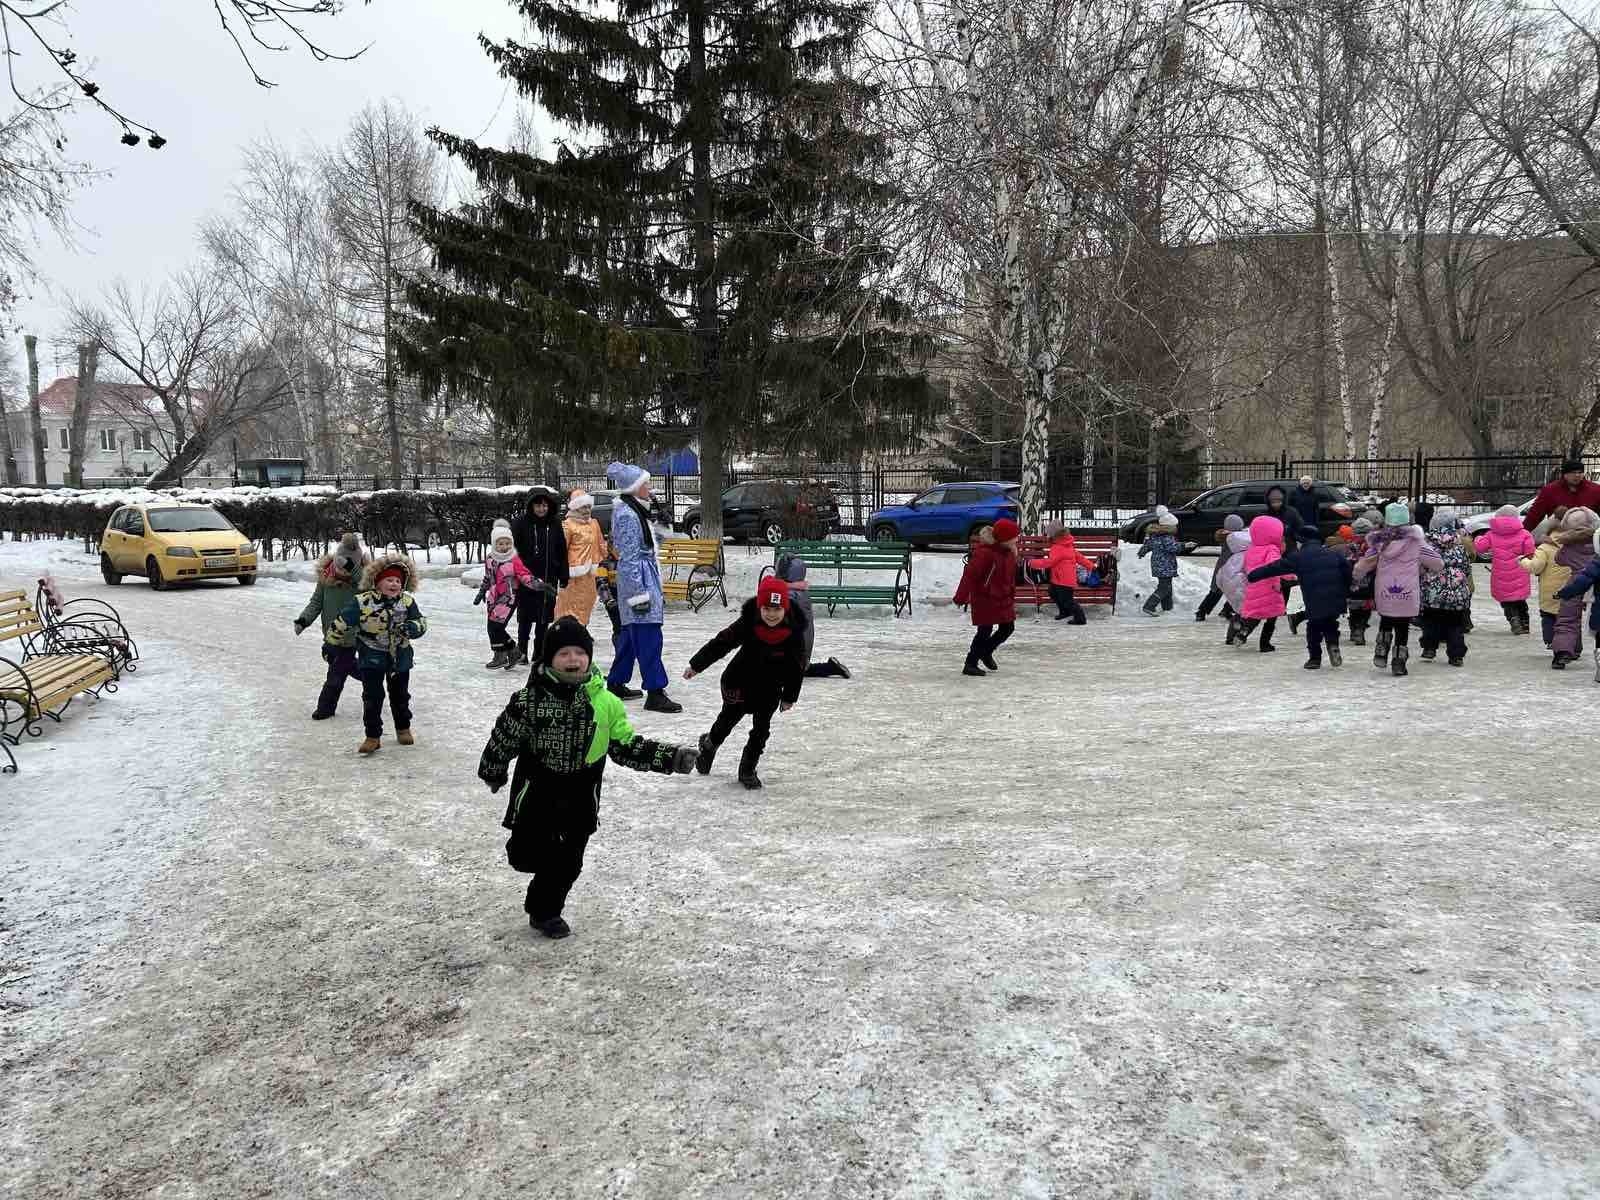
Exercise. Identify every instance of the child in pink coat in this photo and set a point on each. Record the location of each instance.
(502, 572)
(1506, 544)
(1263, 599)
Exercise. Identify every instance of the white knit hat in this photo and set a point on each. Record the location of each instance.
(502, 529)
(1164, 515)
(579, 499)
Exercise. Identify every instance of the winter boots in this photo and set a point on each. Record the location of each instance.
(752, 781)
(405, 737)
(1380, 649)
(1429, 653)
(1294, 621)
(988, 663)
(623, 692)
(1334, 657)
(319, 715)
(707, 756)
(660, 702)
(502, 659)
(551, 927)
(1399, 665)
(368, 746)
(973, 669)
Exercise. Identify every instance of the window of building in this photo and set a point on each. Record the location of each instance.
(65, 442)
(143, 440)
(108, 440)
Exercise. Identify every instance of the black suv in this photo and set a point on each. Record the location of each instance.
(1201, 518)
(772, 511)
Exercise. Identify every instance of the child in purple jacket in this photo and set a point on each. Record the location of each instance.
(1399, 554)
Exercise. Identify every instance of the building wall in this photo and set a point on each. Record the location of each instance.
(98, 464)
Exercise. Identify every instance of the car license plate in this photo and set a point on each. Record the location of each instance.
(218, 564)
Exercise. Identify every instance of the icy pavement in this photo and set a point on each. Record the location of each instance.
(1139, 917)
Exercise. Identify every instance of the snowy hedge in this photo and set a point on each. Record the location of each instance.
(282, 521)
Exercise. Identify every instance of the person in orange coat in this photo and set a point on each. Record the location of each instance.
(586, 550)
(1063, 561)
(989, 585)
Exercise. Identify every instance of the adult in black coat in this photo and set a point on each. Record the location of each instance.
(1325, 577)
(1304, 501)
(542, 547)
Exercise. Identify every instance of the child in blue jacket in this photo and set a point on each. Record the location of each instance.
(1162, 544)
(1324, 576)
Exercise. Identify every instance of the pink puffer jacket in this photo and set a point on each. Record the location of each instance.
(1507, 542)
(1264, 598)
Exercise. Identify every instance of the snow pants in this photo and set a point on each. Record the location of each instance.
(760, 714)
(1067, 604)
(1445, 627)
(641, 644)
(1321, 631)
(1398, 627)
(1360, 618)
(556, 857)
(1213, 598)
(1161, 596)
(1568, 637)
(341, 666)
(373, 681)
(1547, 626)
(498, 637)
(1516, 612)
(987, 640)
(534, 612)
(1268, 628)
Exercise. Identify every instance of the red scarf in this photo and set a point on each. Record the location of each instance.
(772, 635)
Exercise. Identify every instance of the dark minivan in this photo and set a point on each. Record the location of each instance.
(1201, 518)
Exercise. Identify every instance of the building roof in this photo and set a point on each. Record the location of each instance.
(119, 399)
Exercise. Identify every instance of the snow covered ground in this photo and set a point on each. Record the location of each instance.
(1139, 917)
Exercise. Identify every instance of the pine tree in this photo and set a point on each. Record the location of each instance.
(698, 262)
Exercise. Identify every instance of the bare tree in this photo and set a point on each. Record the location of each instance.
(382, 164)
(83, 403)
(189, 353)
(30, 346)
(8, 391)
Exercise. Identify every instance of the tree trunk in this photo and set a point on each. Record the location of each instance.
(1319, 364)
(712, 446)
(1383, 367)
(1086, 465)
(82, 407)
(35, 421)
(185, 453)
(391, 385)
(7, 447)
(1036, 441)
(1341, 360)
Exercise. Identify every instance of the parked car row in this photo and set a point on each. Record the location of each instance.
(1201, 518)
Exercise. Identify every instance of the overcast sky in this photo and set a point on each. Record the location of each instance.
(168, 64)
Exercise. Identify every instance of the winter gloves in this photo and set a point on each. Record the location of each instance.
(683, 759)
(299, 627)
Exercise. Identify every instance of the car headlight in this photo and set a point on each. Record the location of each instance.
(179, 552)
(247, 548)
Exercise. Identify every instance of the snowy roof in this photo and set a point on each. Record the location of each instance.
(120, 399)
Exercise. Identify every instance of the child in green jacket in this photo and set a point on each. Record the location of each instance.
(336, 587)
(561, 728)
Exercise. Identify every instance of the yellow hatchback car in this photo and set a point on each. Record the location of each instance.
(174, 543)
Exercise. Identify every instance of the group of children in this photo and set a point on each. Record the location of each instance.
(1408, 567)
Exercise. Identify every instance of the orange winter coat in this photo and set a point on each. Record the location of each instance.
(1062, 562)
(586, 550)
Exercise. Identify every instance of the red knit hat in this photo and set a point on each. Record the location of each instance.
(396, 569)
(1005, 529)
(773, 593)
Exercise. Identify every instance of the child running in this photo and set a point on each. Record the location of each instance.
(1063, 561)
(1398, 553)
(1324, 576)
(1447, 594)
(560, 729)
(1506, 544)
(1231, 581)
(1234, 523)
(768, 643)
(1263, 599)
(380, 623)
(1361, 591)
(1578, 587)
(989, 585)
(337, 573)
(1161, 543)
(1574, 556)
(502, 573)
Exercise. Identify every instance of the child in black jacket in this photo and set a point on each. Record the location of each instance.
(764, 676)
(560, 729)
(1324, 576)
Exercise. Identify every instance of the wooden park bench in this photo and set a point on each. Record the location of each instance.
(46, 674)
(86, 623)
(877, 558)
(691, 571)
(1096, 545)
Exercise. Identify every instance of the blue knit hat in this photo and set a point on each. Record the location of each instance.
(1397, 514)
(627, 478)
(1233, 523)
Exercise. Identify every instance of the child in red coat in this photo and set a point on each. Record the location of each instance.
(989, 585)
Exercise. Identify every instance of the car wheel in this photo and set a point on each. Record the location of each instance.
(152, 572)
(773, 531)
(693, 528)
(107, 572)
(247, 580)
(885, 533)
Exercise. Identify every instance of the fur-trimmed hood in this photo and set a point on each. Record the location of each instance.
(369, 574)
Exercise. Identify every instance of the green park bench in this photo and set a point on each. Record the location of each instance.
(824, 559)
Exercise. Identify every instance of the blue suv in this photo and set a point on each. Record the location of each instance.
(948, 513)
